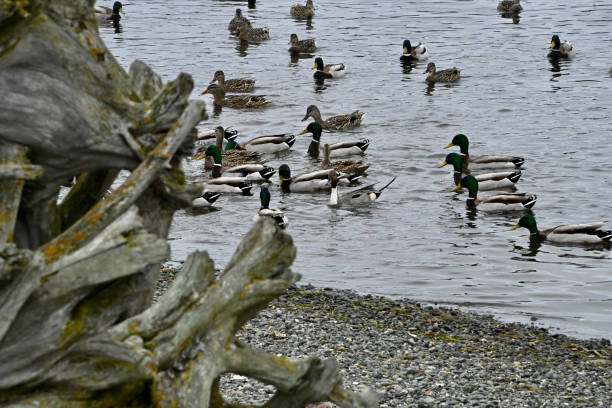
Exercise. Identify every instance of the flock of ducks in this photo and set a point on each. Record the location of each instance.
(236, 166)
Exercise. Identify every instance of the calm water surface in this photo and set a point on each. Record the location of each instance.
(418, 241)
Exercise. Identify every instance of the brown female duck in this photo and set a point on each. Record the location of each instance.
(446, 75)
(233, 85)
(235, 101)
(303, 11)
(306, 46)
(335, 122)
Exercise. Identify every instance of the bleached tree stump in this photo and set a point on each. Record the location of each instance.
(77, 326)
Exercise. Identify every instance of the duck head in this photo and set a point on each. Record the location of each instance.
(293, 39)
(214, 90)
(219, 76)
(555, 42)
(455, 160)
(315, 129)
(460, 140)
(431, 68)
(470, 183)
(529, 222)
(313, 111)
(118, 8)
(407, 47)
(318, 64)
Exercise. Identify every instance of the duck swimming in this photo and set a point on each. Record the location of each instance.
(250, 171)
(104, 13)
(417, 53)
(235, 101)
(335, 122)
(305, 11)
(328, 71)
(446, 75)
(560, 50)
(301, 46)
(489, 161)
(487, 181)
(509, 6)
(498, 202)
(237, 21)
(265, 211)
(364, 195)
(233, 85)
(249, 34)
(586, 234)
(337, 149)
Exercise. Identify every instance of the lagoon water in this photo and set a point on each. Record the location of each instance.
(418, 241)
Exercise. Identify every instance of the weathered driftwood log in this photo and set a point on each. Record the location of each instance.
(77, 327)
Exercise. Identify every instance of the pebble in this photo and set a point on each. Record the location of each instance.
(425, 356)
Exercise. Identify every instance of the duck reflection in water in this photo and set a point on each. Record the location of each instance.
(251, 4)
(242, 48)
(117, 27)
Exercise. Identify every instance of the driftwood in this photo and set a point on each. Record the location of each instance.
(77, 277)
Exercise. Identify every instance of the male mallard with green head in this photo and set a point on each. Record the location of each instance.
(560, 50)
(335, 122)
(446, 75)
(488, 181)
(489, 161)
(498, 202)
(417, 53)
(303, 11)
(328, 71)
(306, 46)
(337, 149)
(233, 85)
(585, 234)
(235, 101)
(265, 211)
(105, 13)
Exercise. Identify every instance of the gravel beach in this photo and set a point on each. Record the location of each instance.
(422, 356)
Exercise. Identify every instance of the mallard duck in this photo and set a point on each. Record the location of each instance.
(566, 234)
(297, 46)
(489, 161)
(304, 11)
(232, 185)
(364, 195)
(237, 21)
(417, 53)
(265, 211)
(344, 166)
(232, 155)
(337, 149)
(206, 200)
(106, 13)
(487, 181)
(335, 122)
(446, 75)
(235, 101)
(509, 6)
(329, 70)
(267, 144)
(498, 202)
(310, 181)
(250, 171)
(250, 34)
(560, 49)
(233, 85)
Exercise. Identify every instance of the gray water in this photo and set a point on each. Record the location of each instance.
(418, 241)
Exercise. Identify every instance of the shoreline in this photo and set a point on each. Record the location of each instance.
(417, 355)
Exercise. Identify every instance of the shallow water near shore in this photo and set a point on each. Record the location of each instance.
(418, 241)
